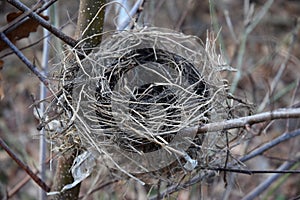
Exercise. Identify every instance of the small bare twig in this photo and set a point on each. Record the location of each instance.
(34, 177)
(249, 26)
(257, 152)
(100, 187)
(10, 52)
(158, 189)
(270, 144)
(175, 188)
(134, 10)
(46, 6)
(33, 68)
(283, 66)
(138, 13)
(230, 26)
(250, 172)
(19, 186)
(19, 20)
(43, 95)
(68, 40)
(24, 17)
(25, 180)
(264, 185)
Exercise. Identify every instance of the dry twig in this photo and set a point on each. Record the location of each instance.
(242, 122)
(68, 40)
(34, 177)
(33, 68)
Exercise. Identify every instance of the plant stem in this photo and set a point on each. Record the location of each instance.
(43, 94)
(64, 177)
(89, 29)
(264, 185)
(33, 68)
(34, 177)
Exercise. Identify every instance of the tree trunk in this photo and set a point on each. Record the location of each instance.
(89, 27)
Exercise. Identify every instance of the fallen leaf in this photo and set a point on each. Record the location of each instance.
(22, 31)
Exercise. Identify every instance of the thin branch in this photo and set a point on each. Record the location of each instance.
(99, 188)
(24, 17)
(68, 40)
(264, 185)
(43, 95)
(19, 20)
(249, 26)
(34, 177)
(19, 185)
(283, 66)
(245, 121)
(46, 5)
(30, 45)
(250, 172)
(257, 152)
(175, 188)
(230, 26)
(25, 180)
(270, 144)
(125, 22)
(24, 59)
(10, 52)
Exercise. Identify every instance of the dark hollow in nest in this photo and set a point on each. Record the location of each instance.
(145, 95)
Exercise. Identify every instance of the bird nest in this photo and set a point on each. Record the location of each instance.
(132, 101)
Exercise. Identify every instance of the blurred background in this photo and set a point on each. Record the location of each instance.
(269, 66)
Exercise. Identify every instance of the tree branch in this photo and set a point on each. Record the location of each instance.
(284, 113)
(257, 152)
(42, 78)
(68, 40)
(265, 184)
(134, 10)
(270, 144)
(24, 167)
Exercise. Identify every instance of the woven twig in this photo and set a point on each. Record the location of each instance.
(133, 96)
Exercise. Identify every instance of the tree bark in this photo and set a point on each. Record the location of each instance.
(63, 177)
(90, 22)
(89, 28)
